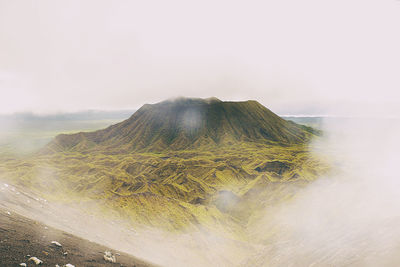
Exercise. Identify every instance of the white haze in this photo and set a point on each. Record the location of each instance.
(194, 248)
(313, 57)
(351, 217)
(308, 56)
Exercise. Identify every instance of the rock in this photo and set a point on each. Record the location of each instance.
(35, 260)
(56, 244)
(278, 167)
(69, 265)
(22, 264)
(108, 256)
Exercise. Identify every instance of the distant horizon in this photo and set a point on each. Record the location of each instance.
(56, 113)
(131, 111)
(127, 109)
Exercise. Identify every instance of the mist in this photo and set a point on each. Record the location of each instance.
(337, 58)
(349, 217)
(90, 220)
(291, 56)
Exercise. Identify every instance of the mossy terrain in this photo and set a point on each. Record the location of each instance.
(219, 172)
(177, 189)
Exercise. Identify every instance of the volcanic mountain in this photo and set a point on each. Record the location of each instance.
(179, 164)
(187, 123)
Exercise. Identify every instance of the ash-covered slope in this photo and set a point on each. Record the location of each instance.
(187, 123)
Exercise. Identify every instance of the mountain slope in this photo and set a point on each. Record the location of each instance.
(179, 165)
(187, 123)
(22, 236)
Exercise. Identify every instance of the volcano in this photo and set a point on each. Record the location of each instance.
(180, 164)
(188, 123)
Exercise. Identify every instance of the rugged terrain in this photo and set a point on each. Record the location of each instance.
(183, 166)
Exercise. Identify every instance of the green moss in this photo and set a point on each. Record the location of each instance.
(175, 190)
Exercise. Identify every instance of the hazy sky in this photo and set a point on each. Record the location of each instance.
(308, 56)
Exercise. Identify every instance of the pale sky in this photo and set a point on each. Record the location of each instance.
(293, 56)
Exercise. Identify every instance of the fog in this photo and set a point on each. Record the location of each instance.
(339, 58)
(349, 217)
(88, 219)
(292, 56)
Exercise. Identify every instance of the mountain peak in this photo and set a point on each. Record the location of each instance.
(188, 123)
